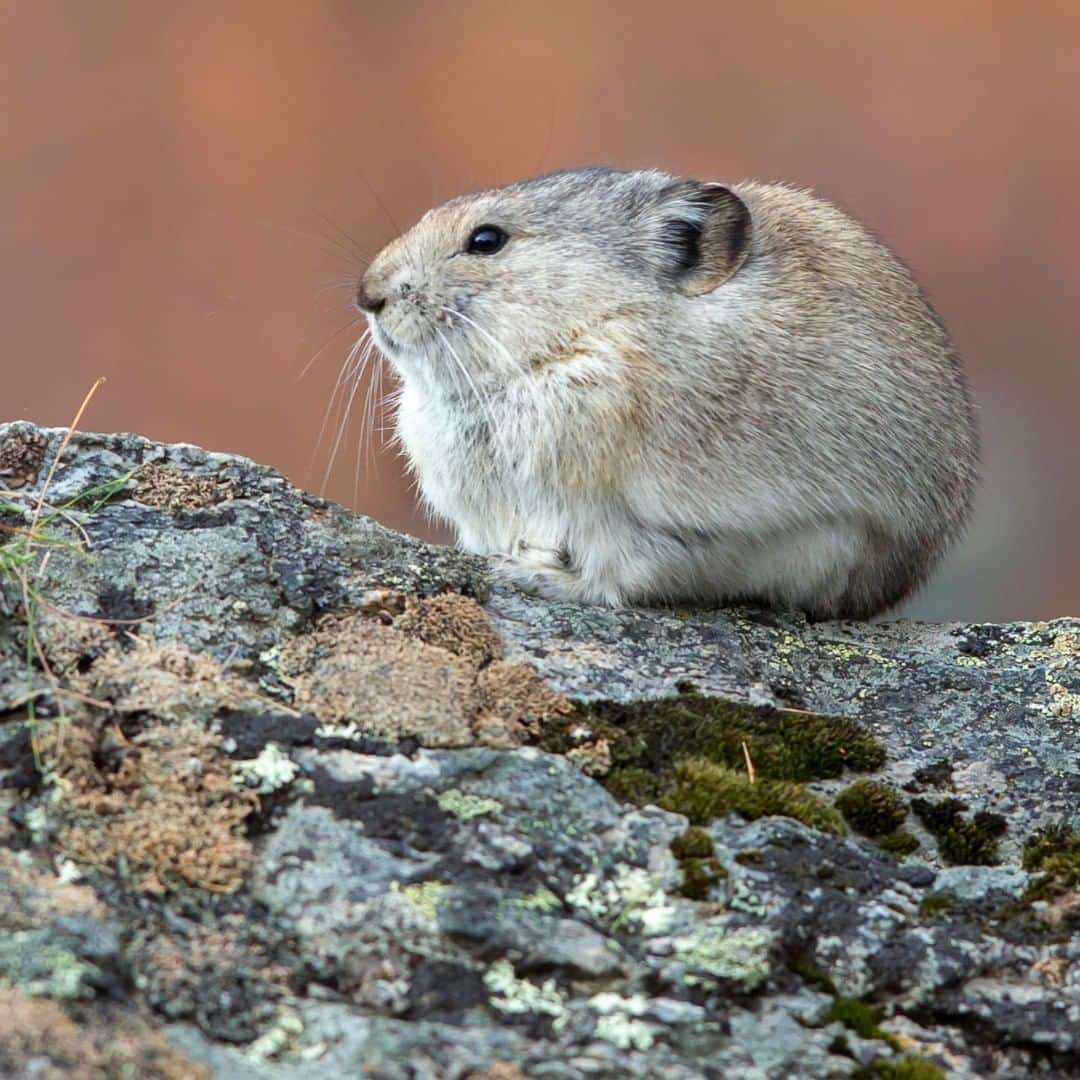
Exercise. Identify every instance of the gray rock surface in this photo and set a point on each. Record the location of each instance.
(404, 907)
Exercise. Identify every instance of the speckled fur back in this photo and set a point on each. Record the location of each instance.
(655, 389)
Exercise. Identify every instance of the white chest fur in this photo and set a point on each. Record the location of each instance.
(462, 479)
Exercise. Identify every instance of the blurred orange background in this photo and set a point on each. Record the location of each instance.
(187, 189)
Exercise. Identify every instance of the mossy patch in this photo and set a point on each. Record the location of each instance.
(22, 451)
(701, 869)
(905, 1067)
(168, 488)
(689, 754)
(750, 856)
(1055, 852)
(432, 674)
(703, 790)
(452, 622)
(810, 973)
(782, 744)
(937, 775)
(900, 842)
(962, 841)
(872, 808)
(937, 904)
(159, 805)
(860, 1017)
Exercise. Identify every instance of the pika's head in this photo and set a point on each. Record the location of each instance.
(495, 282)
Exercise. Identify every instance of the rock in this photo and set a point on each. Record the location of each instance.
(441, 829)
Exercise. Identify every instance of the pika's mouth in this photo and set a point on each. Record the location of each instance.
(385, 342)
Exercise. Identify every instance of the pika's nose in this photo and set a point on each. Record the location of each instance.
(365, 301)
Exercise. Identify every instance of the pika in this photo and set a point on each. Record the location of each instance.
(630, 387)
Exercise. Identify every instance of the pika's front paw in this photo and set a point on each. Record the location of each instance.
(542, 571)
(539, 557)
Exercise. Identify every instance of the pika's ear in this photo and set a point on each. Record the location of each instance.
(705, 231)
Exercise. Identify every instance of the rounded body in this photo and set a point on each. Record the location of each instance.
(677, 400)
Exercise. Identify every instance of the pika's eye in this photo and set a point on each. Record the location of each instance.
(485, 240)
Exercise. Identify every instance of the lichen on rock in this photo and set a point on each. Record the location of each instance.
(315, 800)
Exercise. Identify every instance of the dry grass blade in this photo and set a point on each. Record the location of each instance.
(751, 772)
(72, 428)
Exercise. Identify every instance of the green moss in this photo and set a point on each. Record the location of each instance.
(703, 790)
(1055, 852)
(783, 745)
(962, 841)
(872, 808)
(900, 842)
(701, 869)
(937, 904)
(750, 856)
(840, 1046)
(937, 775)
(861, 1017)
(700, 876)
(695, 843)
(689, 754)
(810, 973)
(856, 1015)
(938, 816)
(907, 1067)
(632, 784)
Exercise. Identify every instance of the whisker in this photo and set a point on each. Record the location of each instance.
(367, 426)
(356, 375)
(480, 330)
(356, 248)
(326, 344)
(382, 206)
(483, 400)
(342, 379)
(328, 286)
(355, 258)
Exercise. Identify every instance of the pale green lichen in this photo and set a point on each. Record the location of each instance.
(541, 900)
(618, 1023)
(970, 661)
(37, 823)
(270, 771)
(287, 1026)
(423, 896)
(607, 1002)
(632, 896)
(513, 995)
(351, 730)
(465, 806)
(743, 898)
(1063, 702)
(714, 954)
(786, 644)
(847, 651)
(36, 966)
(625, 1032)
